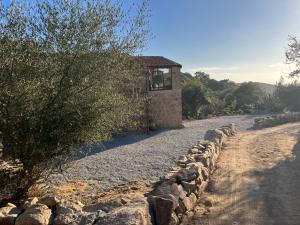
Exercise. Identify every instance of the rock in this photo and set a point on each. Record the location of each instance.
(193, 199)
(170, 177)
(30, 202)
(188, 204)
(49, 201)
(187, 174)
(214, 136)
(190, 187)
(178, 191)
(35, 215)
(10, 205)
(67, 216)
(76, 206)
(203, 158)
(193, 151)
(190, 159)
(163, 209)
(174, 220)
(64, 215)
(185, 220)
(205, 174)
(164, 189)
(136, 213)
(88, 218)
(181, 209)
(182, 159)
(9, 214)
(124, 201)
(201, 147)
(71, 213)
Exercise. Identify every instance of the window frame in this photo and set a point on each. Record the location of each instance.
(150, 74)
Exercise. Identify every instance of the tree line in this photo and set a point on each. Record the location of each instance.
(203, 96)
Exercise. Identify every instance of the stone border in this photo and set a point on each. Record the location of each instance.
(171, 203)
(275, 120)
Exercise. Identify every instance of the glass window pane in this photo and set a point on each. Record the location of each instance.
(160, 79)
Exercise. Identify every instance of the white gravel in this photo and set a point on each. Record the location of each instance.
(143, 157)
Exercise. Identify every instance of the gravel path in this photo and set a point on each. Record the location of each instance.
(143, 157)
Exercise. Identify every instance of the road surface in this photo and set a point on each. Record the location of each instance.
(257, 180)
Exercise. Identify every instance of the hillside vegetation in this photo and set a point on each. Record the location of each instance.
(203, 96)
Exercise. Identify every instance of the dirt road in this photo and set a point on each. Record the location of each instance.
(257, 180)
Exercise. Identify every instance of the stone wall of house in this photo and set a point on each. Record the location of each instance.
(165, 105)
(275, 120)
(171, 203)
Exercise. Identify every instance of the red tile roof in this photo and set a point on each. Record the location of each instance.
(157, 61)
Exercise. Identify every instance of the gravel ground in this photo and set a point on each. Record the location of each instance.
(142, 157)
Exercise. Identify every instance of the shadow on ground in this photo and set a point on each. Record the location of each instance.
(117, 141)
(275, 199)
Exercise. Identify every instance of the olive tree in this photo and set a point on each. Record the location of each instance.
(66, 76)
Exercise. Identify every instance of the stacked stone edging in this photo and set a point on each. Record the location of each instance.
(171, 203)
(275, 120)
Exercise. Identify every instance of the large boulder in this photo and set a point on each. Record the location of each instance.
(49, 201)
(30, 202)
(67, 216)
(35, 215)
(187, 174)
(9, 214)
(163, 210)
(136, 213)
(71, 213)
(216, 136)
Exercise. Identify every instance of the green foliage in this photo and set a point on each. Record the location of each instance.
(247, 96)
(65, 76)
(230, 108)
(218, 97)
(270, 103)
(289, 96)
(217, 86)
(194, 97)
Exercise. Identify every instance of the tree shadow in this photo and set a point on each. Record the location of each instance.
(117, 141)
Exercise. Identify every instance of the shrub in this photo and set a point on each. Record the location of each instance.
(289, 96)
(247, 96)
(65, 77)
(196, 99)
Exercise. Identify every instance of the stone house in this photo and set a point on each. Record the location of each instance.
(162, 85)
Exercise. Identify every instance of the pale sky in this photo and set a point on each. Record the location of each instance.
(241, 40)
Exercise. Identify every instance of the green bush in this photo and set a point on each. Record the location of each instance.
(65, 77)
(289, 96)
(195, 99)
(270, 103)
(247, 96)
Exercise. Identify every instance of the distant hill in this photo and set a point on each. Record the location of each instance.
(185, 76)
(268, 88)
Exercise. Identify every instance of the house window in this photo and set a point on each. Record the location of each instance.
(160, 79)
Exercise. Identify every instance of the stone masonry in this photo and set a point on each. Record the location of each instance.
(165, 105)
